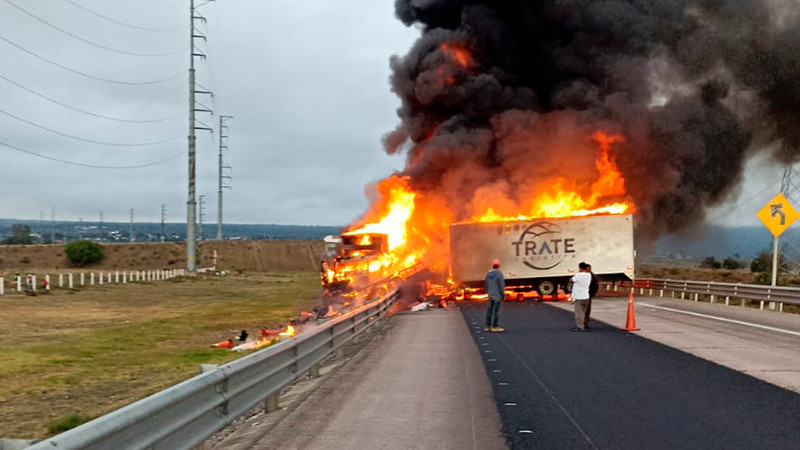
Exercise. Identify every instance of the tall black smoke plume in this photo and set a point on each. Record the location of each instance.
(499, 95)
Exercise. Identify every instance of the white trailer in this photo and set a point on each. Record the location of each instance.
(543, 254)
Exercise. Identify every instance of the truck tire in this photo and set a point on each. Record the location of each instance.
(546, 287)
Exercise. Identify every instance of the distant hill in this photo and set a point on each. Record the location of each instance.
(722, 242)
(151, 232)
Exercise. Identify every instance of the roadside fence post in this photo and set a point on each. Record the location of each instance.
(33, 277)
(47, 278)
(272, 404)
(83, 276)
(61, 280)
(727, 301)
(101, 277)
(696, 297)
(91, 278)
(19, 283)
(116, 276)
(712, 298)
(2, 285)
(69, 277)
(761, 306)
(124, 277)
(780, 306)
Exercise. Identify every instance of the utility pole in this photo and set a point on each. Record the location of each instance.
(163, 219)
(80, 227)
(130, 231)
(221, 181)
(202, 216)
(191, 204)
(101, 225)
(53, 225)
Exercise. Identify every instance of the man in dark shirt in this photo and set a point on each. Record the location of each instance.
(496, 289)
(594, 286)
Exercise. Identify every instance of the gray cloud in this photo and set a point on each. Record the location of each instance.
(307, 82)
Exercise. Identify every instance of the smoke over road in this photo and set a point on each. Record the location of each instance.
(502, 97)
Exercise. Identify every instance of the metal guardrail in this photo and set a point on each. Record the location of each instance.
(722, 290)
(185, 415)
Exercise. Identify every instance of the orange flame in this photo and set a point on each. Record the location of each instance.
(458, 54)
(563, 199)
(418, 224)
(289, 332)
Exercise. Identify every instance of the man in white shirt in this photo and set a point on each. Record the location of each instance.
(580, 294)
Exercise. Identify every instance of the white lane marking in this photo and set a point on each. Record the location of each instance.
(722, 319)
(525, 431)
(510, 404)
(497, 371)
(502, 384)
(550, 393)
(493, 360)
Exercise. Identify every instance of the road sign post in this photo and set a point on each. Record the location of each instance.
(777, 215)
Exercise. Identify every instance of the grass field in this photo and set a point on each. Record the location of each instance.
(71, 355)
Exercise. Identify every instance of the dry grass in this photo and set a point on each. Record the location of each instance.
(87, 352)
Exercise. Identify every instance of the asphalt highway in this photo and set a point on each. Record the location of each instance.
(608, 389)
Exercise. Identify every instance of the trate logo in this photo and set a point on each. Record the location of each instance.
(542, 246)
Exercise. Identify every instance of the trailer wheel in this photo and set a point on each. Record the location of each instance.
(546, 287)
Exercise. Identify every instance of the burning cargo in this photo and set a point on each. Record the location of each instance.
(356, 261)
(542, 254)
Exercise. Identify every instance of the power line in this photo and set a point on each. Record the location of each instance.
(87, 41)
(91, 166)
(112, 20)
(742, 203)
(107, 80)
(101, 116)
(78, 138)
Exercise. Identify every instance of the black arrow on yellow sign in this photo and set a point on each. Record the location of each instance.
(777, 209)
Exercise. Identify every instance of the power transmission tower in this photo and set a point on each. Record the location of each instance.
(790, 188)
(130, 231)
(163, 219)
(202, 216)
(191, 204)
(223, 145)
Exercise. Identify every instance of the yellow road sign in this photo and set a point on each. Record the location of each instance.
(778, 214)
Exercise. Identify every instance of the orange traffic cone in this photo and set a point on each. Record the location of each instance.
(224, 344)
(630, 323)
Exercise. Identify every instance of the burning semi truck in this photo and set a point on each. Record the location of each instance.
(360, 265)
(540, 256)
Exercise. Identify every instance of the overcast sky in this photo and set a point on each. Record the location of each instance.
(307, 81)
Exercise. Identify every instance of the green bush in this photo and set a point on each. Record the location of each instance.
(65, 423)
(732, 264)
(83, 252)
(710, 263)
